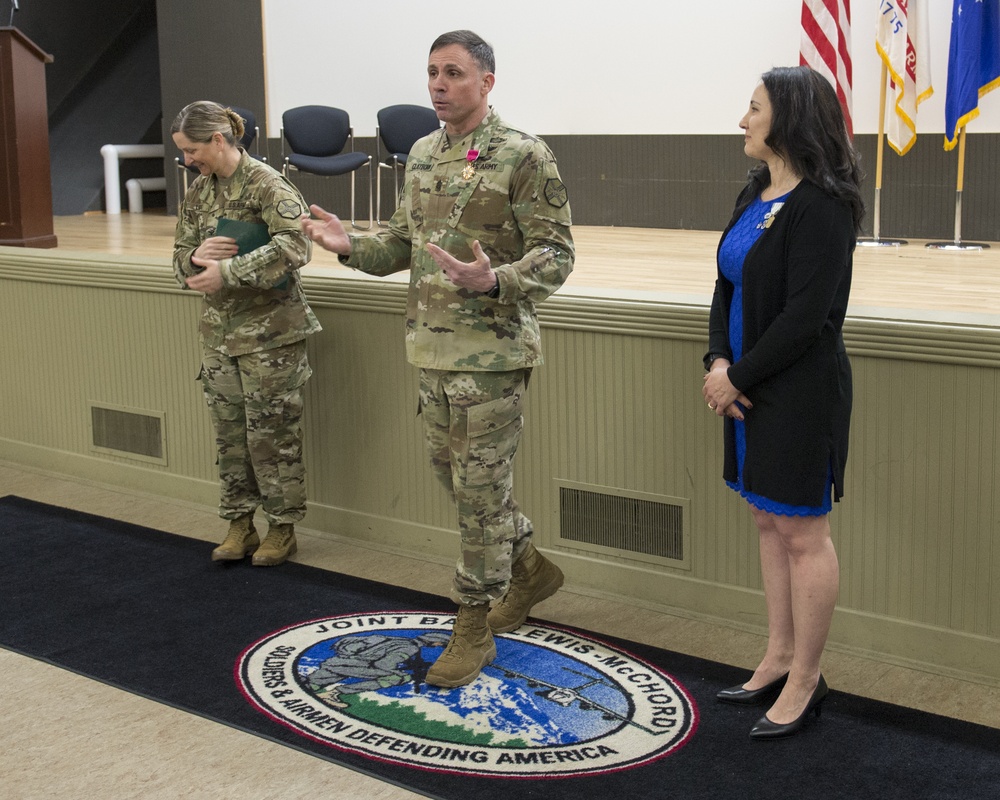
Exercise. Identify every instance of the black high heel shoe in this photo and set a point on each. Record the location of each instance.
(765, 729)
(751, 697)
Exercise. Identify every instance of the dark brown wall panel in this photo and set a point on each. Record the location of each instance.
(208, 51)
(691, 182)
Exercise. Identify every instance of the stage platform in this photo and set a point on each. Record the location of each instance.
(907, 282)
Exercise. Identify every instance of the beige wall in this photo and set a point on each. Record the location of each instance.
(616, 408)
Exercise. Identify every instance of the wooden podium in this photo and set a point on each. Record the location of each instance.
(25, 175)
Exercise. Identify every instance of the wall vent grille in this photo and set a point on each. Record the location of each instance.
(629, 524)
(128, 432)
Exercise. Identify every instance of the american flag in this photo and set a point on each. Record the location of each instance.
(826, 46)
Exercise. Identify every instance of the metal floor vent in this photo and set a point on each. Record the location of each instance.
(651, 529)
(128, 432)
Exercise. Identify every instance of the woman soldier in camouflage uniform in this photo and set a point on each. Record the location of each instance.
(254, 324)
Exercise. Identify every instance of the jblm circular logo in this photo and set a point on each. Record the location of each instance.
(553, 703)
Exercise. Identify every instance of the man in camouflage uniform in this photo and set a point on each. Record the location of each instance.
(484, 228)
(254, 324)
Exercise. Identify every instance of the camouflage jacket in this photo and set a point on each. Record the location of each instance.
(261, 304)
(516, 206)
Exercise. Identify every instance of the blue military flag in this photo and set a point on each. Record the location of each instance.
(973, 62)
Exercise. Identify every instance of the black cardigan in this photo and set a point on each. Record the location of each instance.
(794, 369)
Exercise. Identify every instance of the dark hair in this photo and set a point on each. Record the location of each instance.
(474, 44)
(201, 120)
(809, 132)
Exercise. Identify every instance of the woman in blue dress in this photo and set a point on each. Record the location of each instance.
(778, 374)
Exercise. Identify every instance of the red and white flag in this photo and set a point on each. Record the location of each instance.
(901, 40)
(826, 46)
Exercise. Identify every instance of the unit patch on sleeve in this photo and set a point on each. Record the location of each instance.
(289, 209)
(555, 192)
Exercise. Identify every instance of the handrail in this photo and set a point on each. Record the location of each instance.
(136, 186)
(112, 154)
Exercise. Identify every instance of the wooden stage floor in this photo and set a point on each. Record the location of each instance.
(907, 282)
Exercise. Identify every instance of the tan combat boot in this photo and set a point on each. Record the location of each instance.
(470, 648)
(277, 546)
(241, 540)
(533, 578)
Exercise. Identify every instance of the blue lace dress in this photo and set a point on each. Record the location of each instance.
(741, 237)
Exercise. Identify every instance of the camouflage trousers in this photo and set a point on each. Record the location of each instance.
(472, 425)
(256, 405)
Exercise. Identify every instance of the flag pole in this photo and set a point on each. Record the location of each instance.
(875, 240)
(958, 244)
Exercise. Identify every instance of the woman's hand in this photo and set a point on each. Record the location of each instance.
(722, 397)
(209, 280)
(217, 248)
